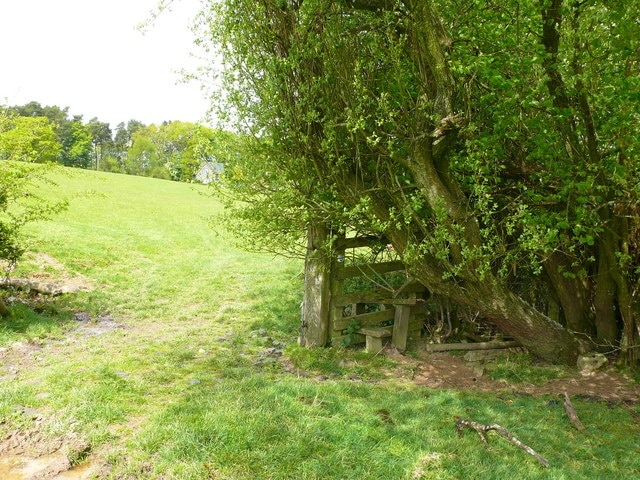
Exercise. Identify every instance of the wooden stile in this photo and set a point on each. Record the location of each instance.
(377, 313)
(400, 312)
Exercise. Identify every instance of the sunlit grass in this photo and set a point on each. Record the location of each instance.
(188, 381)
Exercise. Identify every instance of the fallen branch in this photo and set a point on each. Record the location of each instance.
(573, 416)
(483, 429)
(445, 347)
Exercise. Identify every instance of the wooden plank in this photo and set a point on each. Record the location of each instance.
(364, 320)
(336, 289)
(367, 296)
(356, 242)
(378, 296)
(380, 332)
(370, 269)
(336, 332)
(401, 327)
(445, 347)
(400, 301)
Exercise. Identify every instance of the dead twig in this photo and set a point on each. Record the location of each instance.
(503, 432)
(573, 416)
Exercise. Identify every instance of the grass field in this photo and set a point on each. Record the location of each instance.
(179, 361)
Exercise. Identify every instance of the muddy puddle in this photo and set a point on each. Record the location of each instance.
(47, 467)
(30, 455)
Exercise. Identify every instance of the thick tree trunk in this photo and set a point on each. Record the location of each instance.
(542, 336)
(615, 242)
(629, 342)
(604, 303)
(572, 292)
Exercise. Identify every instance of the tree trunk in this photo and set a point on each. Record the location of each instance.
(616, 241)
(604, 303)
(542, 336)
(572, 292)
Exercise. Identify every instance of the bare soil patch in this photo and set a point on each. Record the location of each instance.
(50, 277)
(95, 326)
(446, 371)
(31, 455)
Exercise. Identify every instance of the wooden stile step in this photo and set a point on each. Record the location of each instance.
(374, 337)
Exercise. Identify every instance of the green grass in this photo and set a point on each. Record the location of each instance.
(25, 324)
(187, 387)
(520, 369)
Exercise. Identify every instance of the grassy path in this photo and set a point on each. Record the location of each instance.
(180, 363)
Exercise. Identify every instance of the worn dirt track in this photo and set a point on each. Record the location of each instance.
(443, 370)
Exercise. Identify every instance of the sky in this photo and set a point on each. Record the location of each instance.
(88, 55)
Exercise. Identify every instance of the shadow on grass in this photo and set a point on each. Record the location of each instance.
(26, 323)
(277, 308)
(282, 427)
(262, 426)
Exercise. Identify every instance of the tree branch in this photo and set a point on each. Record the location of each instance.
(503, 432)
(571, 412)
(551, 23)
(371, 5)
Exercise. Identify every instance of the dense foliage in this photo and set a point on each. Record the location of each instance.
(492, 143)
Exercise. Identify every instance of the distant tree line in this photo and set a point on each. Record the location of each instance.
(173, 150)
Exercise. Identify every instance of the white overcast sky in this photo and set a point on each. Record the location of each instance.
(88, 55)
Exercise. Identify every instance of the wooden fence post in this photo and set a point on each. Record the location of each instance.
(336, 286)
(314, 330)
(401, 327)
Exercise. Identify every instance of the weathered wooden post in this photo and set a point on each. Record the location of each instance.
(336, 290)
(401, 327)
(314, 331)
